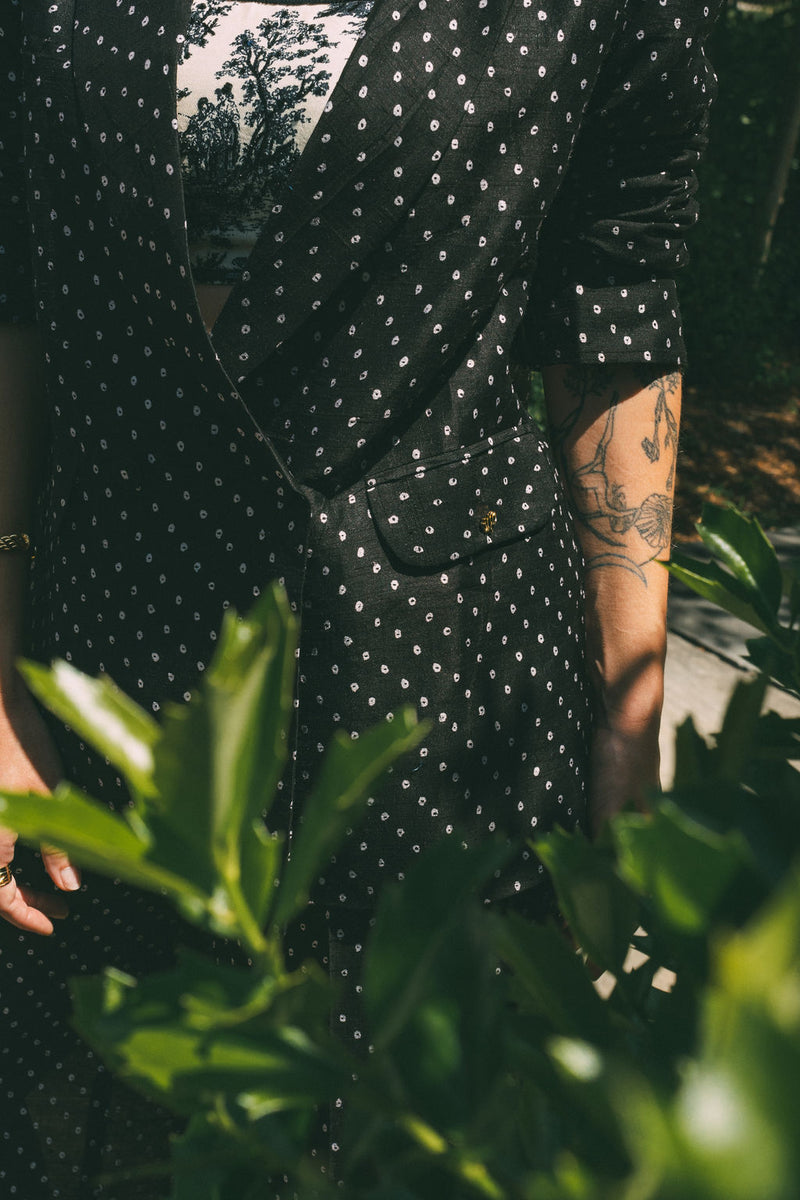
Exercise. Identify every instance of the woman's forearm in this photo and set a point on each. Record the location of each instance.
(21, 440)
(615, 437)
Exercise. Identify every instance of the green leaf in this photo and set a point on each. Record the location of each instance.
(761, 963)
(778, 737)
(68, 814)
(204, 778)
(261, 857)
(553, 978)
(721, 588)
(693, 756)
(735, 1139)
(683, 866)
(178, 815)
(249, 689)
(159, 1033)
(348, 769)
(740, 542)
(391, 1190)
(221, 754)
(781, 663)
(736, 739)
(736, 1112)
(209, 1164)
(413, 922)
(93, 836)
(102, 715)
(212, 1163)
(601, 911)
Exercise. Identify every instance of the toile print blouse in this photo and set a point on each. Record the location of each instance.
(253, 80)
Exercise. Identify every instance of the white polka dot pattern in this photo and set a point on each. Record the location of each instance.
(486, 172)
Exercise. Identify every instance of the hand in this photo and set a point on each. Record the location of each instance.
(29, 762)
(623, 768)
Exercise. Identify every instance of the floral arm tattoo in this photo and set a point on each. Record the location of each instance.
(621, 493)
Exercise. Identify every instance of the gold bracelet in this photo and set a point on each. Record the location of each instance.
(16, 541)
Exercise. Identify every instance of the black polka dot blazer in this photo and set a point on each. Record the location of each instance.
(489, 177)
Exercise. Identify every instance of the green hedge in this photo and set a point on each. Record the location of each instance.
(498, 1070)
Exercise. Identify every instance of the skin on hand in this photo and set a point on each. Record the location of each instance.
(25, 741)
(28, 759)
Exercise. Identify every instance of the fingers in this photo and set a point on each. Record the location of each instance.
(8, 842)
(30, 910)
(30, 763)
(35, 911)
(63, 874)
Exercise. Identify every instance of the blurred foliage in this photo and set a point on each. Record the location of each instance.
(497, 1071)
(738, 333)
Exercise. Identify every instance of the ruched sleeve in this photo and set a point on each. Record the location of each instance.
(16, 299)
(604, 287)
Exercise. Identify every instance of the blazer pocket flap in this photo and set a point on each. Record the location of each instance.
(431, 513)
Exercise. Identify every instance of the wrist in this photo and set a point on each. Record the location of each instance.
(631, 705)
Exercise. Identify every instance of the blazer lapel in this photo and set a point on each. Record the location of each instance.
(125, 56)
(354, 180)
(372, 152)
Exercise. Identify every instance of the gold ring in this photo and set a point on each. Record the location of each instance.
(5, 877)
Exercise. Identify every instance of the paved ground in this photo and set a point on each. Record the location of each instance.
(706, 655)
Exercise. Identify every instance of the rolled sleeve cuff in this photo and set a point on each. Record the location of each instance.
(638, 322)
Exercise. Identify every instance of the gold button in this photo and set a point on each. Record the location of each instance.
(488, 521)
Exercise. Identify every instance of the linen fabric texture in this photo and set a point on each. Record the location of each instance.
(490, 179)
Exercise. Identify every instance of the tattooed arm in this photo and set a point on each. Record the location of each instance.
(615, 437)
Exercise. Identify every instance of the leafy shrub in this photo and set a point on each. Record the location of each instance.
(497, 1069)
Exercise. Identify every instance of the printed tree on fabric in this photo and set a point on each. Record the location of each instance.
(203, 19)
(241, 142)
(358, 9)
(282, 65)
